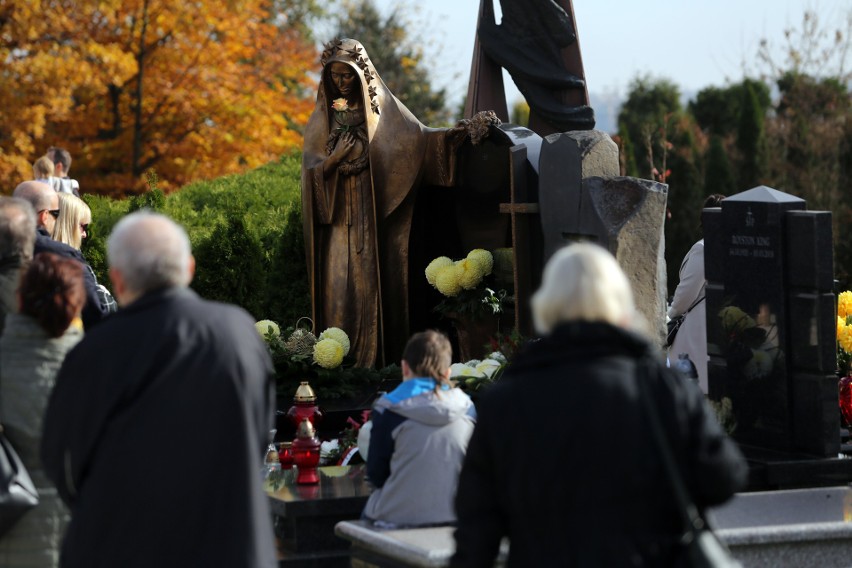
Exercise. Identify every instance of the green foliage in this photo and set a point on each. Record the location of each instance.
(230, 266)
(345, 381)
(397, 55)
(718, 177)
(644, 119)
(105, 214)
(521, 113)
(246, 234)
(751, 141)
(717, 110)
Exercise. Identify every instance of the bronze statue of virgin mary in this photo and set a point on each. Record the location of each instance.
(365, 155)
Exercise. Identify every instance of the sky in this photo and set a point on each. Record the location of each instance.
(694, 43)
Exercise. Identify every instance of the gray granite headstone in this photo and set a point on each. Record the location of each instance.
(769, 320)
(582, 198)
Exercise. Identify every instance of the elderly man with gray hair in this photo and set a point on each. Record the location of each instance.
(144, 403)
(17, 236)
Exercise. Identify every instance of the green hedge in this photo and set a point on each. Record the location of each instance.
(246, 234)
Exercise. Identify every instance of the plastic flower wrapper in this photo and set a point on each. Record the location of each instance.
(447, 280)
(265, 327)
(434, 266)
(328, 354)
(339, 336)
(471, 273)
(483, 258)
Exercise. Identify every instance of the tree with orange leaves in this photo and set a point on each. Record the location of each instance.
(192, 89)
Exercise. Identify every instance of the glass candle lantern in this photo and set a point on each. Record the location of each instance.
(306, 453)
(304, 406)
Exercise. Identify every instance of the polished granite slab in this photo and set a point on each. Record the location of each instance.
(304, 516)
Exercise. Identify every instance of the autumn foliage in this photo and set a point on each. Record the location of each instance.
(193, 89)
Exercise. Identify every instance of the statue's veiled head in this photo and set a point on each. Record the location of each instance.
(347, 70)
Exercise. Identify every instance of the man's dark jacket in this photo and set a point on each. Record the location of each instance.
(562, 460)
(154, 436)
(93, 311)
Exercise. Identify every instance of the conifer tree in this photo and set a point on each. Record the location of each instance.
(751, 141)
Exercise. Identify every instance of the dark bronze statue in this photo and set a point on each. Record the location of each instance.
(365, 156)
(537, 43)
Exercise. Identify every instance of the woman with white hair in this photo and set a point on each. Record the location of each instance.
(562, 460)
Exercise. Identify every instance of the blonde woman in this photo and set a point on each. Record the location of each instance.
(72, 226)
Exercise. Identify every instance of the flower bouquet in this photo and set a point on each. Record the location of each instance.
(463, 285)
(476, 374)
(299, 355)
(844, 332)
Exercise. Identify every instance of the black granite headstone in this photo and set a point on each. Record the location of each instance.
(769, 320)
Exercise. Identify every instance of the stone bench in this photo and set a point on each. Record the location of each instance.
(799, 527)
(403, 548)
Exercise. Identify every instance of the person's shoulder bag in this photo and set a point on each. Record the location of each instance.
(17, 491)
(675, 323)
(699, 545)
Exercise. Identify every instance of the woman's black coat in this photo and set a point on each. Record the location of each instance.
(562, 460)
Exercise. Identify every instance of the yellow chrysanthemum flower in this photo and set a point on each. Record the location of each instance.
(484, 258)
(844, 304)
(328, 354)
(447, 280)
(434, 266)
(338, 335)
(841, 323)
(265, 326)
(471, 273)
(844, 338)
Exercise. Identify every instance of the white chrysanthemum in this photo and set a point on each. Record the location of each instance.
(483, 258)
(488, 367)
(471, 273)
(339, 336)
(497, 356)
(447, 280)
(434, 266)
(266, 326)
(464, 370)
(328, 353)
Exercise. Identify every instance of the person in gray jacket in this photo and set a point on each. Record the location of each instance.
(32, 349)
(419, 437)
